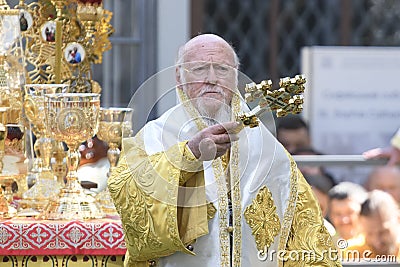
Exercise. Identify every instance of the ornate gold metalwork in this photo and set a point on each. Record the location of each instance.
(287, 99)
(112, 126)
(6, 196)
(59, 166)
(6, 211)
(62, 41)
(3, 134)
(12, 68)
(263, 220)
(72, 118)
(4, 5)
(46, 185)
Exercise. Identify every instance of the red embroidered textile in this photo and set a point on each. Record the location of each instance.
(44, 237)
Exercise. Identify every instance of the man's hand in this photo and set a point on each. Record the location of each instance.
(391, 153)
(213, 142)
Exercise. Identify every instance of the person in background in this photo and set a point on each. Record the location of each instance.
(345, 201)
(195, 188)
(385, 178)
(391, 153)
(379, 218)
(292, 132)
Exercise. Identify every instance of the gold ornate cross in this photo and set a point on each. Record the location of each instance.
(287, 99)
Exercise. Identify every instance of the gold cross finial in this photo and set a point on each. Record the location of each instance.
(287, 99)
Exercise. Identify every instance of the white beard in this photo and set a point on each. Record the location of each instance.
(220, 112)
(212, 111)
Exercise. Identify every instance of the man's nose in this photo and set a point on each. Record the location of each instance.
(211, 75)
(345, 219)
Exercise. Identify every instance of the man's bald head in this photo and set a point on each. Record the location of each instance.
(385, 178)
(202, 41)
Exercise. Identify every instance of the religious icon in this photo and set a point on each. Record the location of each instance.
(49, 31)
(25, 20)
(74, 53)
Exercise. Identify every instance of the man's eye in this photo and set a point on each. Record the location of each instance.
(221, 69)
(199, 69)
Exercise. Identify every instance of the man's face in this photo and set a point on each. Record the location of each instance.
(208, 74)
(294, 139)
(386, 180)
(381, 234)
(344, 215)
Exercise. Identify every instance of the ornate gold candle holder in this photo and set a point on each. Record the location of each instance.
(72, 118)
(112, 127)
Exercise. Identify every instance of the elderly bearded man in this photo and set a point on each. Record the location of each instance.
(194, 190)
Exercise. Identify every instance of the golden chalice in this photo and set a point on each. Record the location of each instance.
(72, 118)
(34, 106)
(112, 127)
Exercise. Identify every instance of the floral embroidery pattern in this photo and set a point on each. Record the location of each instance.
(262, 218)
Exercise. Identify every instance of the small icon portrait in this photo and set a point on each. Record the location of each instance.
(49, 31)
(25, 20)
(74, 53)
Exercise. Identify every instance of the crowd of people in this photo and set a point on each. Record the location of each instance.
(363, 219)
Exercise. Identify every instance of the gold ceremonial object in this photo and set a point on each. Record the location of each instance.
(287, 99)
(11, 83)
(72, 118)
(3, 135)
(6, 196)
(12, 63)
(46, 184)
(113, 126)
(59, 166)
(6, 211)
(63, 39)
